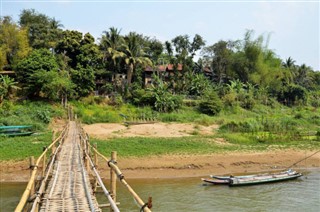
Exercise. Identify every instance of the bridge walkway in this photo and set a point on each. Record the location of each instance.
(69, 188)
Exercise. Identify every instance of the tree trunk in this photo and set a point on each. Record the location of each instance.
(129, 73)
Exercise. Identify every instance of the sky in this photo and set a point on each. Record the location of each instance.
(292, 24)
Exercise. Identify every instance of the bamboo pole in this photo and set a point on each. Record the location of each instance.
(88, 155)
(95, 183)
(32, 167)
(123, 181)
(44, 161)
(106, 192)
(113, 178)
(53, 149)
(118, 172)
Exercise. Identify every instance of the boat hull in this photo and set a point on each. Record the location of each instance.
(266, 179)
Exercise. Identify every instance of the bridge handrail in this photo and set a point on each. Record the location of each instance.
(120, 176)
(121, 179)
(31, 182)
(106, 192)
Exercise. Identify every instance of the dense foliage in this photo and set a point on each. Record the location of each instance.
(57, 64)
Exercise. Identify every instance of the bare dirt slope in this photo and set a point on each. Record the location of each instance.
(103, 131)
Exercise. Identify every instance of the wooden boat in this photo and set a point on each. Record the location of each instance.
(22, 130)
(216, 181)
(253, 180)
(248, 176)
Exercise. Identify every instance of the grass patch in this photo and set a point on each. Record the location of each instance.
(20, 148)
(141, 147)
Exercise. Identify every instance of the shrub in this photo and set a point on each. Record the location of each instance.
(143, 97)
(248, 102)
(211, 105)
(292, 94)
(318, 135)
(167, 102)
(229, 99)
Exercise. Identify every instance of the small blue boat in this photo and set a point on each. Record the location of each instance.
(19, 130)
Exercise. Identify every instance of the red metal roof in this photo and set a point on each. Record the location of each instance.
(162, 68)
(170, 67)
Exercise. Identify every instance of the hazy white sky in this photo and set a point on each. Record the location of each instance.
(294, 25)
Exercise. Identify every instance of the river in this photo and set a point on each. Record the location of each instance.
(190, 194)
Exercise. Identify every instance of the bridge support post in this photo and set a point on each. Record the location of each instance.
(44, 162)
(113, 178)
(32, 165)
(89, 154)
(95, 183)
(53, 149)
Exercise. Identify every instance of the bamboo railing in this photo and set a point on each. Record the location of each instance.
(89, 162)
(28, 193)
(114, 172)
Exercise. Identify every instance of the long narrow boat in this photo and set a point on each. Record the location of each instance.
(250, 176)
(15, 127)
(252, 179)
(289, 175)
(22, 130)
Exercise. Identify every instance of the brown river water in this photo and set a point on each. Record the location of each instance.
(190, 194)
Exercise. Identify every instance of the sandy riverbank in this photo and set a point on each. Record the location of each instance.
(176, 166)
(180, 166)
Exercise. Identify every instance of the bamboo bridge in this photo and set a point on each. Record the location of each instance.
(65, 176)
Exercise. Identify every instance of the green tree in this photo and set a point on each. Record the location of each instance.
(69, 45)
(13, 43)
(40, 60)
(83, 58)
(154, 49)
(219, 57)
(134, 54)
(184, 48)
(54, 85)
(289, 63)
(43, 32)
(303, 76)
(111, 45)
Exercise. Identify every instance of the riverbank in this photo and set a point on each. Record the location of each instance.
(183, 166)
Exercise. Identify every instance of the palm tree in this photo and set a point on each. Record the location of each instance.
(289, 63)
(55, 24)
(134, 54)
(303, 77)
(111, 44)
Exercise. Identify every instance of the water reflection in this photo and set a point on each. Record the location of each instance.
(192, 195)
